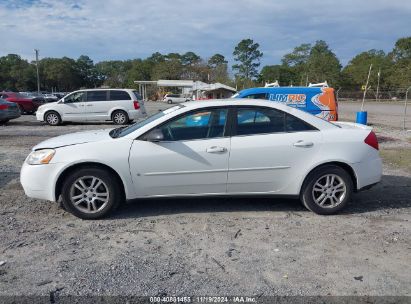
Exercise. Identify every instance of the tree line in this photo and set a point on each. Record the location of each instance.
(306, 63)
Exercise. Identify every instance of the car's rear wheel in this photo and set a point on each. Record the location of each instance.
(52, 118)
(21, 109)
(3, 122)
(91, 193)
(120, 117)
(327, 190)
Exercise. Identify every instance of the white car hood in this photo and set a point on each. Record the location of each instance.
(74, 139)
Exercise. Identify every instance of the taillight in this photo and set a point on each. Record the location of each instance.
(372, 140)
(3, 107)
(136, 105)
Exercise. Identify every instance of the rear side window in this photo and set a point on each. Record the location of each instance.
(265, 120)
(259, 121)
(294, 124)
(96, 95)
(119, 95)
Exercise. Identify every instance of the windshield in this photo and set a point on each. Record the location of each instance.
(235, 95)
(123, 131)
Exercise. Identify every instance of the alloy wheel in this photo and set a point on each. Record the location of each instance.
(89, 194)
(329, 191)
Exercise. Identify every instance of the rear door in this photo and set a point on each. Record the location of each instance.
(270, 149)
(98, 105)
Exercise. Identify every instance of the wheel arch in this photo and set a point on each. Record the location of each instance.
(117, 108)
(59, 183)
(51, 110)
(340, 164)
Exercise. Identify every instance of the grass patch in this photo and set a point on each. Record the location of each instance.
(398, 158)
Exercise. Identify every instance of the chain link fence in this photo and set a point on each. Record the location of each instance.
(396, 94)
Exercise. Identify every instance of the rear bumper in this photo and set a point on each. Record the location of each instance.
(368, 173)
(136, 114)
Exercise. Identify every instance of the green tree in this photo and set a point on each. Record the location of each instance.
(248, 56)
(89, 76)
(16, 73)
(323, 64)
(216, 60)
(355, 72)
(400, 75)
(283, 73)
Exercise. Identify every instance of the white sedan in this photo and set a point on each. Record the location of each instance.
(224, 147)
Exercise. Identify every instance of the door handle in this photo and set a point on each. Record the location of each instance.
(303, 144)
(89, 105)
(215, 149)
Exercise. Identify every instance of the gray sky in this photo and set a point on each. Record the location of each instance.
(127, 29)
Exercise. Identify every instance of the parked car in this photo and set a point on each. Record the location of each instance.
(8, 110)
(50, 97)
(319, 101)
(118, 105)
(26, 104)
(175, 98)
(237, 147)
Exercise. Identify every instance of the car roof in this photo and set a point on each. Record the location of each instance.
(99, 89)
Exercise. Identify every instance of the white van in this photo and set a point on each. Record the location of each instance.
(175, 98)
(118, 105)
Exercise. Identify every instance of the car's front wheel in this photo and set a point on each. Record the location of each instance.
(327, 190)
(169, 101)
(91, 193)
(52, 118)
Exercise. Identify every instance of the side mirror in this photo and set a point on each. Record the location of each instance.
(155, 135)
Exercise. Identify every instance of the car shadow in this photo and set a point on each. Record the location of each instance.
(394, 192)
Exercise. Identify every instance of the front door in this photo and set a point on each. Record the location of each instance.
(192, 158)
(73, 108)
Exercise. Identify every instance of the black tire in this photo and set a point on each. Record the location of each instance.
(120, 117)
(52, 118)
(332, 200)
(3, 122)
(169, 101)
(21, 109)
(110, 183)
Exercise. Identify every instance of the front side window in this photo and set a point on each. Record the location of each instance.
(207, 123)
(75, 97)
(96, 95)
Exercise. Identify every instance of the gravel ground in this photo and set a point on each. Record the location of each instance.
(203, 246)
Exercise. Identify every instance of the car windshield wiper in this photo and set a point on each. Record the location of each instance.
(116, 132)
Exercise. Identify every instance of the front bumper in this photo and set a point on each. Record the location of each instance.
(40, 116)
(39, 181)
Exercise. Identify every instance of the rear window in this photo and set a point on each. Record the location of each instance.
(96, 95)
(119, 95)
(138, 96)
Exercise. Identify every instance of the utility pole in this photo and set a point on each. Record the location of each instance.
(378, 83)
(37, 69)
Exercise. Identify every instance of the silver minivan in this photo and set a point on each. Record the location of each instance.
(175, 98)
(118, 105)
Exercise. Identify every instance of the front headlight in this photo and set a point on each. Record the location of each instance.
(40, 157)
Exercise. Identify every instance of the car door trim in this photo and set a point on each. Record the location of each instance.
(259, 168)
(185, 172)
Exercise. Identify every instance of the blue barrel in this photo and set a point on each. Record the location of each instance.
(362, 117)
